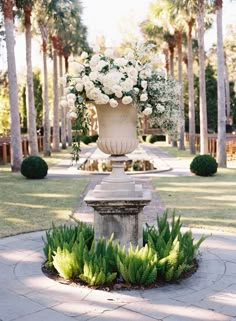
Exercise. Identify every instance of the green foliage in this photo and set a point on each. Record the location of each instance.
(34, 167)
(138, 266)
(167, 253)
(69, 261)
(4, 105)
(175, 250)
(38, 98)
(204, 165)
(153, 138)
(99, 263)
(57, 237)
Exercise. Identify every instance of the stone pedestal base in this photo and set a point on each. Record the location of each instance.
(118, 206)
(121, 217)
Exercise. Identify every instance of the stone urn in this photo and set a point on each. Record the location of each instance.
(117, 129)
(117, 201)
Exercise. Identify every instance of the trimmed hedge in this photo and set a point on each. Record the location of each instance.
(34, 167)
(204, 165)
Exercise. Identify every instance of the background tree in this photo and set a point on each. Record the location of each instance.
(27, 6)
(16, 147)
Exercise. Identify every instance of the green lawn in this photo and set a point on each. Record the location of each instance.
(29, 205)
(208, 202)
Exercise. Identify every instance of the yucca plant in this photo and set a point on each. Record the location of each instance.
(138, 265)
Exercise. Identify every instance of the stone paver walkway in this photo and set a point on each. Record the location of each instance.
(26, 294)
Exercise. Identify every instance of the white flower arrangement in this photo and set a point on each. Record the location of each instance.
(106, 79)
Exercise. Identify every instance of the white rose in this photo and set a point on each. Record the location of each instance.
(120, 62)
(127, 100)
(85, 79)
(127, 85)
(63, 103)
(118, 94)
(84, 55)
(71, 96)
(79, 86)
(113, 103)
(144, 97)
(132, 73)
(93, 75)
(89, 85)
(71, 102)
(94, 60)
(147, 111)
(101, 65)
(144, 84)
(77, 67)
(94, 93)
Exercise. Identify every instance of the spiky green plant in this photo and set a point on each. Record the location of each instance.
(138, 265)
(99, 263)
(58, 236)
(175, 250)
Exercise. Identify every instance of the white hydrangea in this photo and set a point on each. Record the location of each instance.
(147, 111)
(144, 97)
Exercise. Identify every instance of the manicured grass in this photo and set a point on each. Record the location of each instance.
(29, 205)
(208, 202)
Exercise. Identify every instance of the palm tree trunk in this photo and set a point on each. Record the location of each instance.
(227, 93)
(202, 82)
(46, 122)
(16, 146)
(68, 119)
(62, 111)
(178, 36)
(56, 135)
(191, 110)
(221, 141)
(31, 112)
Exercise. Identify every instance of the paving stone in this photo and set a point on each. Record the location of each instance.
(14, 306)
(60, 293)
(171, 291)
(215, 266)
(230, 268)
(115, 297)
(76, 307)
(223, 283)
(30, 267)
(201, 280)
(196, 296)
(11, 257)
(159, 309)
(122, 314)
(45, 315)
(193, 313)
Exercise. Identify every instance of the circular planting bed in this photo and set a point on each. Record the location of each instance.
(167, 256)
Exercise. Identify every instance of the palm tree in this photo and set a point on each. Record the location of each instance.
(187, 10)
(163, 11)
(221, 141)
(27, 6)
(16, 147)
(42, 19)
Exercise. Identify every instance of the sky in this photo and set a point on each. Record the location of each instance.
(115, 19)
(109, 17)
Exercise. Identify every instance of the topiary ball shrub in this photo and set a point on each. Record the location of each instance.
(204, 165)
(34, 167)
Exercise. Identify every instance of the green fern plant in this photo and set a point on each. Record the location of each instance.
(138, 266)
(175, 250)
(58, 236)
(99, 263)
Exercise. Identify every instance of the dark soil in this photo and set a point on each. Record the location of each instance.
(119, 284)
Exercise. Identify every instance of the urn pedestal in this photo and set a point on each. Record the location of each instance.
(118, 202)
